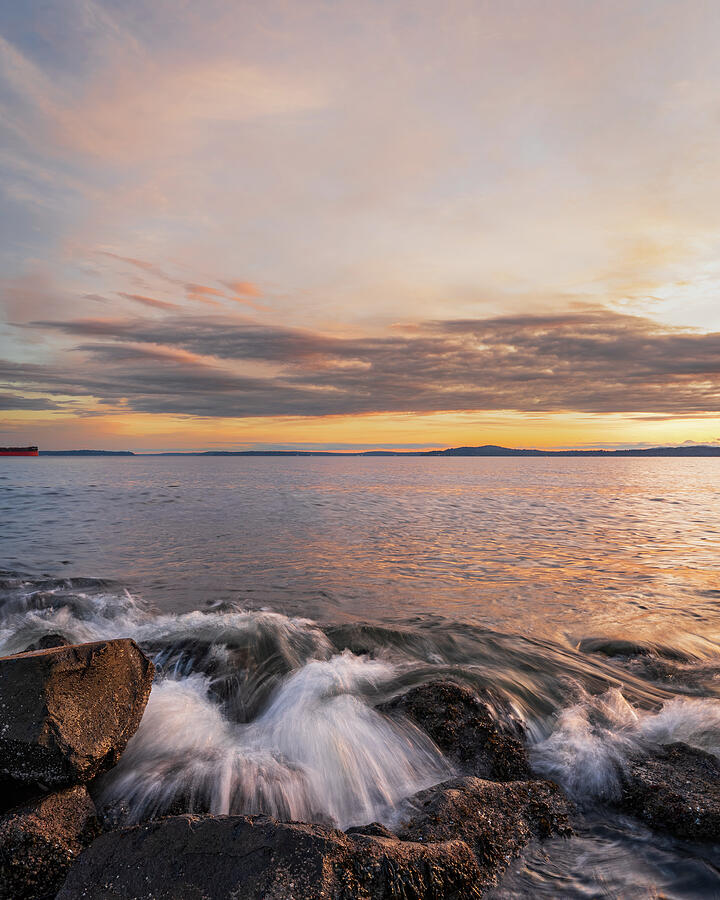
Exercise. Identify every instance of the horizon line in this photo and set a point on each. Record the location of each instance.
(688, 448)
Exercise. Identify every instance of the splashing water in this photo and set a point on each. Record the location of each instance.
(592, 741)
(254, 711)
(317, 753)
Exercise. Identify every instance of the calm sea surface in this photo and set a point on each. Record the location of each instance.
(288, 578)
(556, 546)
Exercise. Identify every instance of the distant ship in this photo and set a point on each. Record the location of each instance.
(18, 451)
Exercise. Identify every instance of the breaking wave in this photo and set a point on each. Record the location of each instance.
(593, 740)
(254, 711)
(317, 753)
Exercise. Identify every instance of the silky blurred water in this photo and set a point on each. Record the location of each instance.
(282, 598)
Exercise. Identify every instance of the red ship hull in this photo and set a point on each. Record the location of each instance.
(18, 451)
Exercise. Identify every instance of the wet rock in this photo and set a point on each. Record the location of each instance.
(257, 858)
(626, 648)
(658, 663)
(495, 820)
(698, 677)
(47, 641)
(66, 714)
(676, 789)
(478, 733)
(40, 840)
(374, 828)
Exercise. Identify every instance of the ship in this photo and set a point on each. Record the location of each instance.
(18, 451)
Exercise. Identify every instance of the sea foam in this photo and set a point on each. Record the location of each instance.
(593, 740)
(317, 753)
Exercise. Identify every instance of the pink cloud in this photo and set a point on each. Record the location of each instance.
(202, 293)
(244, 288)
(149, 301)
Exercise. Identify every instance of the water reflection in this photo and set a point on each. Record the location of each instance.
(540, 545)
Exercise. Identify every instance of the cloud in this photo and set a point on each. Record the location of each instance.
(16, 402)
(440, 181)
(592, 361)
(158, 107)
(30, 294)
(133, 353)
(202, 292)
(148, 267)
(244, 288)
(149, 301)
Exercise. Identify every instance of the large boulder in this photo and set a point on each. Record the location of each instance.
(40, 840)
(66, 714)
(479, 734)
(675, 788)
(495, 820)
(258, 858)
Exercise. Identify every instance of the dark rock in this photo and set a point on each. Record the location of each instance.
(377, 829)
(66, 714)
(480, 734)
(47, 641)
(40, 841)
(658, 663)
(495, 820)
(257, 858)
(15, 793)
(622, 647)
(699, 677)
(676, 789)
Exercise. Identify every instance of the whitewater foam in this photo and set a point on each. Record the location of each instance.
(593, 740)
(317, 753)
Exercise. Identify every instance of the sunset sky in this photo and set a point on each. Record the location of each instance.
(359, 224)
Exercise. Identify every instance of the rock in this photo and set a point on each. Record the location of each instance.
(377, 829)
(14, 793)
(257, 858)
(479, 734)
(676, 789)
(40, 841)
(66, 714)
(495, 820)
(658, 662)
(621, 647)
(47, 641)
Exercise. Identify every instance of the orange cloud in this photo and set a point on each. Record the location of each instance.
(244, 288)
(202, 293)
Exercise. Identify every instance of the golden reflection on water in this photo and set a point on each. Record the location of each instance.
(551, 547)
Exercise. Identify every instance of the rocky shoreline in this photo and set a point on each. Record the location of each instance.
(68, 712)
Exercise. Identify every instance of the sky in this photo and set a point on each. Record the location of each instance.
(359, 224)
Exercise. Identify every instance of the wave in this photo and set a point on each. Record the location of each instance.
(593, 740)
(318, 752)
(254, 711)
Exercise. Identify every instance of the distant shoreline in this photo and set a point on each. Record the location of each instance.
(487, 450)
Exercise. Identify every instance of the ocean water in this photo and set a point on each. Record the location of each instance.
(282, 598)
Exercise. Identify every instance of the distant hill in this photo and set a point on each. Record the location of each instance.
(491, 450)
(484, 450)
